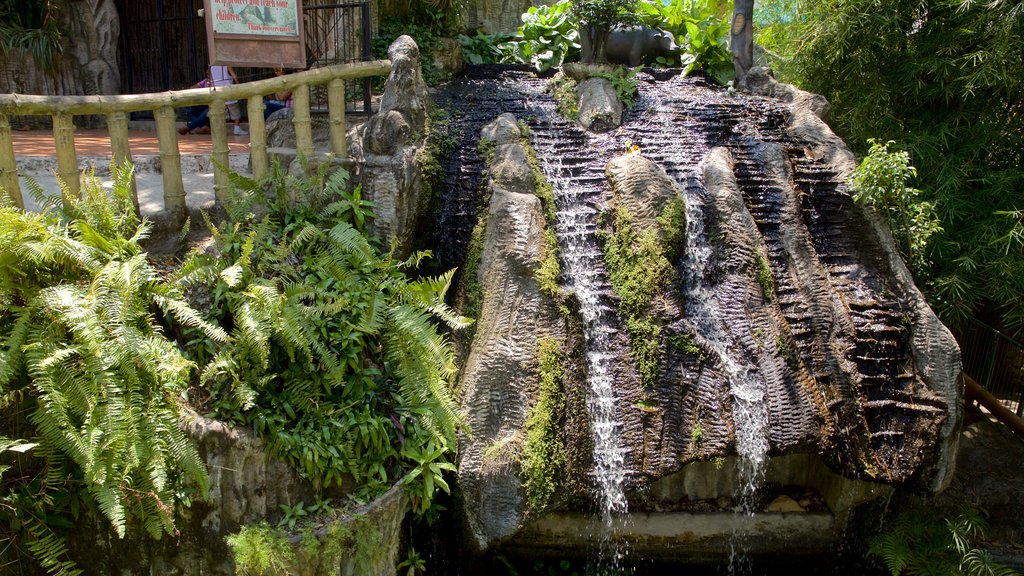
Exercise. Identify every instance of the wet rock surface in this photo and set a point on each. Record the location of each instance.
(500, 380)
(818, 313)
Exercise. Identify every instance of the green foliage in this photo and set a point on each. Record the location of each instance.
(32, 28)
(85, 357)
(426, 28)
(639, 270)
(441, 17)
(624, 81)
(334, 357)
(563, 89)
(413, 564)
(485, 48)
(943, 78)
(686, 343)
(701, 30)
(881, 181)
(603, 15)
(260, 549)
(920, 541)
(543, 455)
(777, 31)
(764, 277)
(549, 270)
(547, 38)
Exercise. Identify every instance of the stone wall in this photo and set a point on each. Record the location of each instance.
(88, 66)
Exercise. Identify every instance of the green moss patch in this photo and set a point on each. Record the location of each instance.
(639, 267)
(543, 454)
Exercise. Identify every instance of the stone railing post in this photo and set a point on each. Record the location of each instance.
(8, 165)
(258, 138)
(336, 109)
(219, 135)
(67, 161)
(302, 123)
(120, 150)
(170, 162)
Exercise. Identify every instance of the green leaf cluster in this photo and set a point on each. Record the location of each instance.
(701, 30)
(881, 180)
(944, 78)
(639, 269)
(547, 37)
(334, 356)
(604, 15)
(32, 28)
(88, 377)
(543, 455)
(921, 541)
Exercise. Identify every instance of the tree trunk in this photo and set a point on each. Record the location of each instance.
(593, 44)
(741, 40)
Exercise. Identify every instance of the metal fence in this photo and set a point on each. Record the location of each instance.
(996, 361)
(339, 33)
(163, 46)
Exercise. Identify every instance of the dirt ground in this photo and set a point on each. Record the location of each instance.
(990, 475)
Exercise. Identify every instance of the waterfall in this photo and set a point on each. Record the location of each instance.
(746, 387)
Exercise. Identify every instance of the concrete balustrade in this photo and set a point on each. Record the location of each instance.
(116, 108)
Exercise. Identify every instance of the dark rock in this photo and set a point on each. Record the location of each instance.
(600, 109)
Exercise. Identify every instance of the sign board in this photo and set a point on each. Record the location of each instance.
(259, 33)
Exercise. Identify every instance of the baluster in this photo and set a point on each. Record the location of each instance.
(8, 165)
(301, 121)
(170, 162)
(336, 106)
(258, 138)
(120, 150)
(219, 134)
(67, 161)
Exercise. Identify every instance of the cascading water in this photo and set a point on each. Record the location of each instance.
(580, 190)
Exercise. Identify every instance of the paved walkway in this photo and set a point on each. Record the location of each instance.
(36, 143)
(35, 152)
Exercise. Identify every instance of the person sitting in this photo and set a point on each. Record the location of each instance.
(198, 116)
(278, 100)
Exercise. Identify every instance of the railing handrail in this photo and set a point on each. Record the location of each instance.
(63, 109)
(31, 104)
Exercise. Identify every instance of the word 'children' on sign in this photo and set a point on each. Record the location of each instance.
(256, 17)
(259, 33)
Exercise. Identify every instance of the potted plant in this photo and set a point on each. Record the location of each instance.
(596, 19)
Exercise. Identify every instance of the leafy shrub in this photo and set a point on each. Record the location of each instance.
(881, 181)
(701, 31)
(547, 38)
(923, 542)
(485, 48)
(334, 357)
(86, 359)
(943, 78)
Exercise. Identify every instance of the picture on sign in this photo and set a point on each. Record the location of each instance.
(256, 17)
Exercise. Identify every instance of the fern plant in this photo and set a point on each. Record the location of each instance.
(86, 372)
(922, 543)
(334, 356)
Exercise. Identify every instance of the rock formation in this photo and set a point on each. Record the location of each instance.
(500, 380)
(386, 147)
(600, 109)
(787, 337)
(246, 486)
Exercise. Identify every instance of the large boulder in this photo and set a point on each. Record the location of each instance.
(599, 109)
(387, 146)
(500, 380)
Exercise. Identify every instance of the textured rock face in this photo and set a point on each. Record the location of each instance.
(245, 487)
(789, 334)
(89, 64)
(500, 379)
(387, 145)
(497, 16)
(600, 109)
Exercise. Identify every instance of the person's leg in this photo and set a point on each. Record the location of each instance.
(236, 116)
(201, 117)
